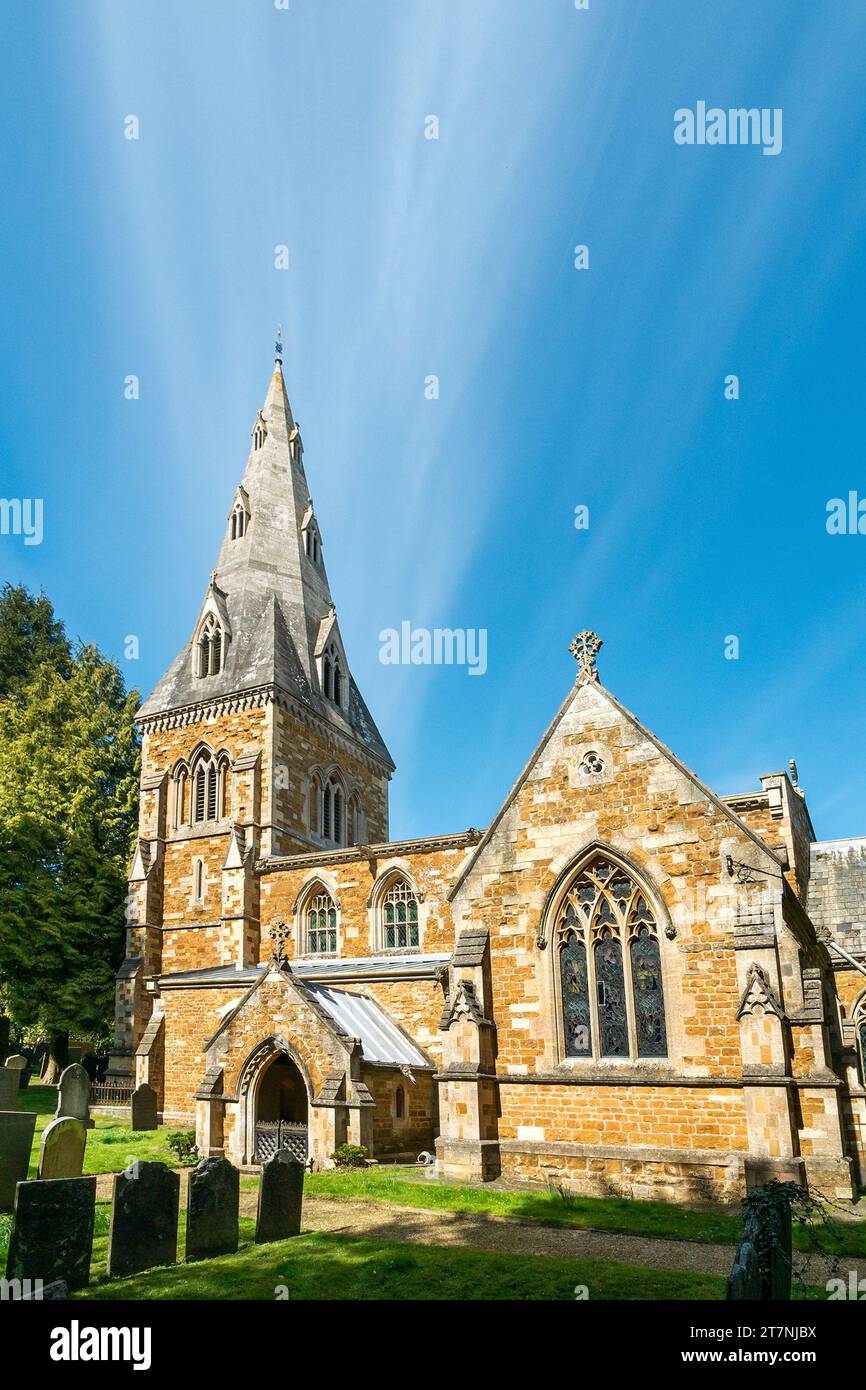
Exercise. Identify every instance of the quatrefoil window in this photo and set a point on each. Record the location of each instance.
(592, 765)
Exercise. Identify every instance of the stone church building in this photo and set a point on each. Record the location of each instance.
(625, 984)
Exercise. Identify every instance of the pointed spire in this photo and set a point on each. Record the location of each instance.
(277, 411)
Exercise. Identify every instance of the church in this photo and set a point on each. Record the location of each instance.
(626, 984)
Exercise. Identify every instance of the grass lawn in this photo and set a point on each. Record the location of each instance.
(317, 1266)
(621, 1214)
(111, 1144)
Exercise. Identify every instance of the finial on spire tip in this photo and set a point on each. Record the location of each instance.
(278, 345)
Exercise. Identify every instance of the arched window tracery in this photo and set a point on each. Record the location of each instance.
(320, 924)
(609, 966)
(398, 916)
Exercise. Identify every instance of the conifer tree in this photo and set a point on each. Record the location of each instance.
(69, 763)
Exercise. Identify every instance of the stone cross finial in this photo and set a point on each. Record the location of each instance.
(585, 649)
(279, 935)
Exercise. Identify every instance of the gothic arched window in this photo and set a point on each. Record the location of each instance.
(610, 976)
(320, 925)
(312, 544)
(400, 1103)
(333, 817)
(210, 788)
(398, 910)
(333, 676)
(210, 647)
(179, 779)
(239, 522)
(314, 805)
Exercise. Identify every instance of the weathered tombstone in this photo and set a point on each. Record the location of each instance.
(52, 1231)
(745, 1281)
(73, 1095)
(19, 1064)
(769, 1230)
(16, 1141)
(281, 1194)
(212, 1209)
(8, 1089)
(144, 1210)
(144, 1108)
(61, 1149)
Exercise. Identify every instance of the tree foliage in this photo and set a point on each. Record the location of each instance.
(69, 764)
(30, 636)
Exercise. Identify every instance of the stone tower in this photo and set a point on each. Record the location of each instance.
(255, 742)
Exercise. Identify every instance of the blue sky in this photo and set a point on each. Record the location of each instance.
(454, 257)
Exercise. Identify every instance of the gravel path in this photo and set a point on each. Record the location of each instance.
(482, 1231)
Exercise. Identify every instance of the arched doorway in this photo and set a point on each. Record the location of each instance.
(282, 1111)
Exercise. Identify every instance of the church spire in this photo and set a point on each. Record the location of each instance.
(268, 618)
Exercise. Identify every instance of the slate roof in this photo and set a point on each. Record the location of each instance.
(837, 891)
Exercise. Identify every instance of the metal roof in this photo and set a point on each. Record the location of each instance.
(361, 1017)
(348, 967)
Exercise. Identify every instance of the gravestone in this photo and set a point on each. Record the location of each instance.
(144, 1108)
(61, 1149)
(73, 1095)
(20, 1065)
(212, 1209)
(281, 1194)
(745, 1281)
(144, 1210)
(52, 1231)
(8, 1089)
(16, 1141)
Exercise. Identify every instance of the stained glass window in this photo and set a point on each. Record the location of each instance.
(609, 960)
(575, 997)
(400, 916)
(321, 926)
(862, 1032)
(649, 1004)
(610, 992)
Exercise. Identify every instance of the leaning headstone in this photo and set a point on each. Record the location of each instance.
(281, 1194)
(143, 1107)
(8, 1089)
(16, 1141)
(61, 1149)
(212, 1209)
(52, 1231)
(73, 1095)
(19, 1064)
(144, 1210)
